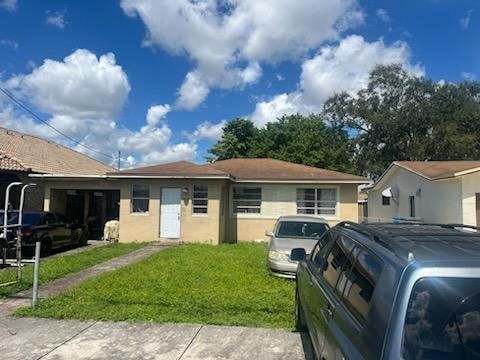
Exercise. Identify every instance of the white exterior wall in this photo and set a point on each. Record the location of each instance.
(437, 201)
(470, 186)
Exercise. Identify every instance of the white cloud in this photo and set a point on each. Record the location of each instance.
(465, 21)
(228, 40)
(383, 15)
(8, 5)
(56, 18)
(85, 103)
(469, 76)
(10, 43)
(206, 130)
(156, 113)
(192, 92)
(344, 67)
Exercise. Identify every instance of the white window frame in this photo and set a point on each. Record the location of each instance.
(316, 208)
(199, 206)
(247, 214)
(139, 198)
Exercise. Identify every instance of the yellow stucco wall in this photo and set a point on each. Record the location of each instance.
(280, 200)
(146, 226)
(220, 225)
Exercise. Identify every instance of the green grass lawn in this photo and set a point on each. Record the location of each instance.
(225, 285)
(57, 267)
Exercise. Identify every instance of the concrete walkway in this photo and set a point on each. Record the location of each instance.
(92, 244)
(31, 338)
(55, 287)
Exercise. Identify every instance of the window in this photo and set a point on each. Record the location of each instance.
(317, 201)
(247, 200)
(320, 251)
(412, 206)
(200, 199)
(336, 260)
(360, 283)
(442, 319)
(301, 229)
(140, 198)
(385, 200)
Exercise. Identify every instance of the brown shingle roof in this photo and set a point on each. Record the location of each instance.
(439, 169)
(178, 168)
(271, 169)
(27, 152)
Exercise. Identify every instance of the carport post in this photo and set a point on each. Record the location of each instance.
(36, 271)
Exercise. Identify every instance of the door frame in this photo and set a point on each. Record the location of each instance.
(161, 212)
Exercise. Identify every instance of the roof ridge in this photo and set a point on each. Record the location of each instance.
(21, 134)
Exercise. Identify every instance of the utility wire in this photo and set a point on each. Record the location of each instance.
(25, 108)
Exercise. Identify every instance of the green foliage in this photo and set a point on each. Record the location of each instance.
(397, 117)
(203, 284)
(300, 139)
(239, 139)
(403, 117)
(57, 267)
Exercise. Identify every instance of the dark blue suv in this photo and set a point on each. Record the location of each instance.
(391, 291)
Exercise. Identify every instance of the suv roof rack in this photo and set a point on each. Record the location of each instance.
(387, 241)
(377, 237)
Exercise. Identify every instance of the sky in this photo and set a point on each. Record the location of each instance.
(158, 79)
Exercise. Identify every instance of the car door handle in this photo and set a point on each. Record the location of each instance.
(310, 280)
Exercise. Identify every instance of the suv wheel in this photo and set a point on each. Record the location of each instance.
(46, 247)
(300, 324)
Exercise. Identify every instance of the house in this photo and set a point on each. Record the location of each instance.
(225, 201)
(430, 191)
(22, 155)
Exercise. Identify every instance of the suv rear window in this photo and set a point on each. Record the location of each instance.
(443, 319)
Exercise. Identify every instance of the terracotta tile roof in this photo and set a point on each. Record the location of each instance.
(271, 169)
(439, 169)
(27, 152)
(178, 168)
(9, 163)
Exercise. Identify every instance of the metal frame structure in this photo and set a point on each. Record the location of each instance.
(18, 261)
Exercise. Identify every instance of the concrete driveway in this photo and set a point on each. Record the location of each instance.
(31, 338)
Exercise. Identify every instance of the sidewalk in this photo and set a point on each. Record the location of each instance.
(32, 338)
(55, 287)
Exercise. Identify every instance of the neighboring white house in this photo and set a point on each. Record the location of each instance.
(430, 191)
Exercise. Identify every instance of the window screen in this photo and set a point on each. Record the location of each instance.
(317, 201)
(200, 199)
(247, 200)
(140, 198)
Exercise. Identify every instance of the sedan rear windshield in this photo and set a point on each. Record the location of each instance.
(28, 218)
(443, 319)
(301, 229)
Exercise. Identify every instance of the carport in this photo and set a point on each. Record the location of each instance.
(91, 207)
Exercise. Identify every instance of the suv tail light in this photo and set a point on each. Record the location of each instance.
(27, 232)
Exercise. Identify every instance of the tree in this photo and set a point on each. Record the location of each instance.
(400, 116)
(296, 138)
(238, 140)
(306, 140)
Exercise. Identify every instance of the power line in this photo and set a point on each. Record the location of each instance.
(25, 108)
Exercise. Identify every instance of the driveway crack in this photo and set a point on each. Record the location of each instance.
(66, 341)
(190, 343)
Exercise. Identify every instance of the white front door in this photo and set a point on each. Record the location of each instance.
(170, 213)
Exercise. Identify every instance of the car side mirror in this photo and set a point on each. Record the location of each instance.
(298, 254)
(269, 233)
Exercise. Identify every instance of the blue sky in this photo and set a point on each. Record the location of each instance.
(228, 61)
